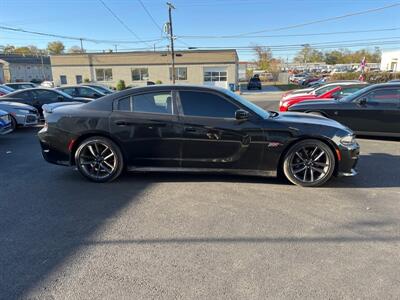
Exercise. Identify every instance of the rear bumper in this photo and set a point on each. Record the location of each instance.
(54, 149)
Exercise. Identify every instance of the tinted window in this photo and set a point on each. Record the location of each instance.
(206, 105)
(85, 92)
(69, 91)
(389, 96)
(160, 103)
(323, 90)
(124, 104)
(47, 96)
(23, 95)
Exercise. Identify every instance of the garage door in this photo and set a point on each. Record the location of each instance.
(216, 76)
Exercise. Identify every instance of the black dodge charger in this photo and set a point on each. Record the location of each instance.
(195, 129)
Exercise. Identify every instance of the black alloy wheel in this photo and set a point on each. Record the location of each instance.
(14, 123)
(99, 159)
(309, 163)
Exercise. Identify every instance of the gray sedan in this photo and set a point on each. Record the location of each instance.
(21, 114)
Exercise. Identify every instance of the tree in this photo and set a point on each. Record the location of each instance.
(121, 85)
(309, 55)
(264, 56)
(76, 49)
(55, 47)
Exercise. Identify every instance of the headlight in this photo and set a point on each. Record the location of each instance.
(348, 140)
(23, 111)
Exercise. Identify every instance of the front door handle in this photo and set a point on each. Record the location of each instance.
(123, 123)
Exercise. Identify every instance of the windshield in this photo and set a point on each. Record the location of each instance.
(255, 108)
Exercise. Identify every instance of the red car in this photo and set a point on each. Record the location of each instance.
(285, 104)
(336, 93)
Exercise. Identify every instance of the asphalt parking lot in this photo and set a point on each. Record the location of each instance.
(197, 236)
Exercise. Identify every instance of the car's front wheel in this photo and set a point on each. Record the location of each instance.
(99, 159)
(309, 163)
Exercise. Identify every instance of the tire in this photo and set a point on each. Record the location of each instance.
(14, 123)
(309, 163)
(99, 159)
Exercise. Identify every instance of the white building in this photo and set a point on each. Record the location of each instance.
(390, 61)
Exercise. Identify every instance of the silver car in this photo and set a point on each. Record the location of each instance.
(21, 114)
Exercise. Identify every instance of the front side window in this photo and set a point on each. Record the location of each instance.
(139, 74)
(180, 73)
(386, 96)
(63, 79)
(104, 74)
(203, 104)
(324, 89)
(24, 95)
(47, 96)
(70, 91)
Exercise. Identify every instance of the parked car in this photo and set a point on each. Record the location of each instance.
(37, 97)
(3, 91)
(5, 122)
(335, 93)
(197, 129)
(296, 78)
(254, 83)
(21, 114)
(321, 90)
(105, 90)
(82, 91)
(47, 84)
(21, 85)
(374, 110)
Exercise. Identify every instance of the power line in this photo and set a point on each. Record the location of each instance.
(286, 35)
(150, 16)
(74, 38)
(316, 21)
(122, 22)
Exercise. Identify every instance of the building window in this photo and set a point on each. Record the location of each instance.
(180, 73)
(104, 74)
(78, 79)
(63, 79)
(215, 76)
(140, 74)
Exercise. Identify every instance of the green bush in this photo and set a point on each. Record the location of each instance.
(371, 77)
(121, 85)
(158, 81)
(86, 80)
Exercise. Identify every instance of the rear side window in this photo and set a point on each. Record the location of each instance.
(156, 103)
(203, 104)
(325, 89)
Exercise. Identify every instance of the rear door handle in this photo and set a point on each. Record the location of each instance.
(190, 129)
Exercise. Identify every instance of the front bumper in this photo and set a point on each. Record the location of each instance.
(27, 120)
(6, 129)
(348, 160)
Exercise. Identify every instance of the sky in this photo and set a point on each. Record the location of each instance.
(201, 23)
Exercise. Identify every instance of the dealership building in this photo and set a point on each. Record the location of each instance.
(204, 67)
(17, 68)
(390, 61)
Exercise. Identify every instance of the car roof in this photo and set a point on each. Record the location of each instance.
(25, 82)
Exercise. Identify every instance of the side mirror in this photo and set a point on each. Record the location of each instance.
(60, 98)
(96, 95)
(241, 114)
(362, 101)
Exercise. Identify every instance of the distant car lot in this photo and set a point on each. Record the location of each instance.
(182, 236)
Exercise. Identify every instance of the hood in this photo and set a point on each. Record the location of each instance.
(82, 99)
(303, 118)
(309, 103)
(16, 105)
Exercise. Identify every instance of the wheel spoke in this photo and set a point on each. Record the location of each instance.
(312, 175)
(312, 153)
(109, 165)
(103, 167)
(84, 163)
(321, 171)
(321, 164)
(305, 174)
(299, 170)
(97, 148)
(91, 150)
(105, 149)
(108, 156)
(319, 155)
(299, 156)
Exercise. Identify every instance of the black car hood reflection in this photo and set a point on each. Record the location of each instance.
(302, 118)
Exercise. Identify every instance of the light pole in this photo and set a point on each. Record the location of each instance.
(171, 37)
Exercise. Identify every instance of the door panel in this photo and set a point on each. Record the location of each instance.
(150, 139)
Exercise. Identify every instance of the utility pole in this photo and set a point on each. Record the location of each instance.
(171, 37)
(81, 45)
(116, 48)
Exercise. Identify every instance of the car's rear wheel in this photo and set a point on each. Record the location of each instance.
(99, 159)
(309, 163)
